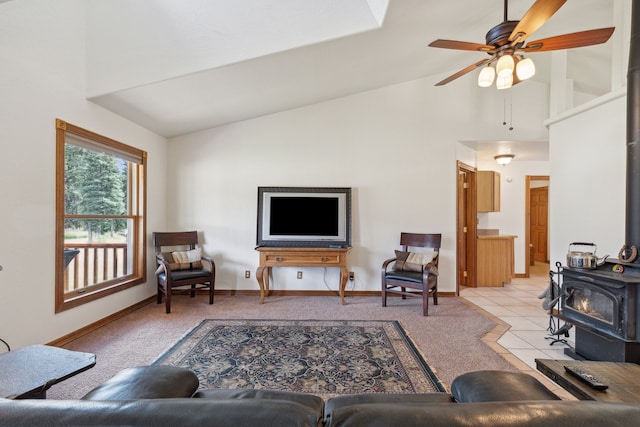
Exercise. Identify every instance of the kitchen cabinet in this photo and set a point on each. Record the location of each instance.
(488, 191)
(495, 260)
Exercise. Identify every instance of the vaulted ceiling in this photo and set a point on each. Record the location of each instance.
(177, 67)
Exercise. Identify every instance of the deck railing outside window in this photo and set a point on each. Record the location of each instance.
(94, 263)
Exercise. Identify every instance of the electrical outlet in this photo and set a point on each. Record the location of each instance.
(247, 274)
(299, 274)
(352, 276)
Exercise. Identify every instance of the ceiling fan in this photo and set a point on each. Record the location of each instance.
(506, 45)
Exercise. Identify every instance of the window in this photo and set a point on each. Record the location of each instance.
(100, 226)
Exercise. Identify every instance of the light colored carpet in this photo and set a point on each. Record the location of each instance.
(449, 338)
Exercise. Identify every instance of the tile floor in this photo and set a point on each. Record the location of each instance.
(521, 333)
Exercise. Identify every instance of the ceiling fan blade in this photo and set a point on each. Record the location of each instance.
(569, 41)
(463, 72)
(454, 44)
(535, 17)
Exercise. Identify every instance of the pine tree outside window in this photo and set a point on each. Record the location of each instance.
(100, 224)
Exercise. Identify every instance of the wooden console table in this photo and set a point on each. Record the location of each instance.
(300, 257)
(622, 379)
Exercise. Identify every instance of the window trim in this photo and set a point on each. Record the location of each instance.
(138, 213)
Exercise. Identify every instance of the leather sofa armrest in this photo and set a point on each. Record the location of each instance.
(499, 386)
(147, 382)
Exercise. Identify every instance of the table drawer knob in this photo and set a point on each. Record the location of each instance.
(280, 259)
(324, 259)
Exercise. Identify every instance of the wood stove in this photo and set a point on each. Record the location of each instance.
(604, 306)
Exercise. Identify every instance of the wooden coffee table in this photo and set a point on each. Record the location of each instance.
(623, 379)
(30, 371)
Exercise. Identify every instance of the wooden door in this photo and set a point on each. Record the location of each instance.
(539, 222)
(462, 229)
(466, 226)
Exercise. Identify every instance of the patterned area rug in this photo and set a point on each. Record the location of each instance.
(326, 358)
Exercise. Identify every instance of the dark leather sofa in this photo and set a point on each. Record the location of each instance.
(167, 396)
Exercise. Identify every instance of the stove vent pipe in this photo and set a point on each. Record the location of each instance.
(632, 219)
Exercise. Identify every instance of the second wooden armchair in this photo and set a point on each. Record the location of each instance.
(415, 271)
(182, 267)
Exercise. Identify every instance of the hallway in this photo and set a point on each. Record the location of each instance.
(521, 334)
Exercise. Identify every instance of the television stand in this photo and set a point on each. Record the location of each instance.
(300, 257)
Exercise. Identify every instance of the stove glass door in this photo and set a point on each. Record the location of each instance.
(591, 302)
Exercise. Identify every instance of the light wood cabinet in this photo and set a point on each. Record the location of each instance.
(488, 191)
(495, 260)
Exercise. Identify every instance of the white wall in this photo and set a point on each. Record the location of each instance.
(42, 78)
(587, 190)
(396, 147)
(524, 108)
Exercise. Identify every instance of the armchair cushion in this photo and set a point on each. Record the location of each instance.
(183, 260)
(418, 262)
(186, 274)
(409, 276)
(188, 259)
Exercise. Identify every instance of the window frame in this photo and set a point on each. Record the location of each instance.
(136, 211)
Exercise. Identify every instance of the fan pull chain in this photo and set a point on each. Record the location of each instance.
(510, 111)
(504, 110)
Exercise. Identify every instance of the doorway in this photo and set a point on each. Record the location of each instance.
(466, 228)
(536, 221)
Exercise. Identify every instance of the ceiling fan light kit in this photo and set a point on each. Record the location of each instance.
(505, 65)
(525, 69)
(506, 43)
(486, 76)
(504, 81)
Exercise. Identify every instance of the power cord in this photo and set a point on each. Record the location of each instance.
(350, 286)
(6, 343)
(327, 285)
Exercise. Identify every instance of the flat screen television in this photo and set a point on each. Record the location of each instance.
(304, 216)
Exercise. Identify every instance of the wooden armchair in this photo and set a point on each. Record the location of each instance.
(182, 267)
(417, 271)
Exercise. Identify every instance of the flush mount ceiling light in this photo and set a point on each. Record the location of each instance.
(504, 159)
